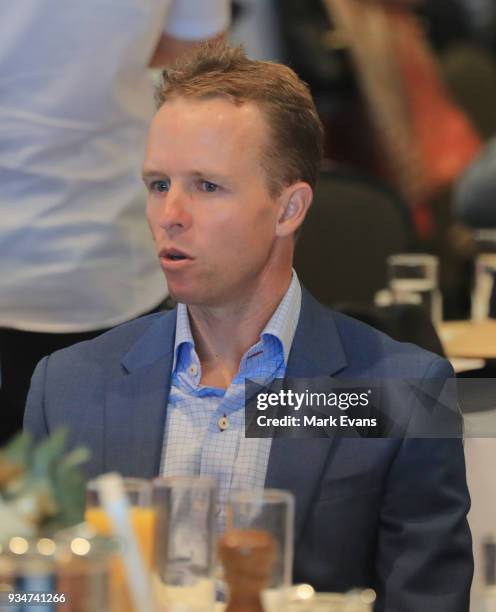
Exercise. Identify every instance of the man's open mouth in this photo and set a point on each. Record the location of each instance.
(173, 255)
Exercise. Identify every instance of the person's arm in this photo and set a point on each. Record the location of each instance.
(424, 548)
(475, 192)
(189, 23)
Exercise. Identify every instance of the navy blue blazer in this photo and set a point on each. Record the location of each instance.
(383, 513)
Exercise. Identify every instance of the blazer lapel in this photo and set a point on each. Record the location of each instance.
(136, 401)
(316, 351)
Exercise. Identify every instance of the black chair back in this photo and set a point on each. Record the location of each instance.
(353, 224)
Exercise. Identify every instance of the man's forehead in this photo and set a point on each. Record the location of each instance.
(216, 112)
(188, 127)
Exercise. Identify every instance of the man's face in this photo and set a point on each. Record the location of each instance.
(211, 216)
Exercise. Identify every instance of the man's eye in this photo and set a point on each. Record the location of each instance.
(209, 187)
(160, 186)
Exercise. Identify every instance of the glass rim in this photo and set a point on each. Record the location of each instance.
(185, 481)
(269, 496)
(362, 596)
(412, 259)
(127, 481)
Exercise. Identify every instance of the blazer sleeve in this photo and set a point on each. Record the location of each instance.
(424, 556)
(34, 415)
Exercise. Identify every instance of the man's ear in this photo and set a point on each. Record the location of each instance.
(295, 202)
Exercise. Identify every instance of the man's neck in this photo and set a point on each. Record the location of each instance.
(223, 335)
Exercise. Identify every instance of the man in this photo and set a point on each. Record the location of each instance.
(232, 158)
(76, 102)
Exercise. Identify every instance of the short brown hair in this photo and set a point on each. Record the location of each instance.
(294, 152)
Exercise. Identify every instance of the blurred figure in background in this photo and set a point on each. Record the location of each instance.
(403, 125)
(75, 257)
(475, 193)
(386, 107)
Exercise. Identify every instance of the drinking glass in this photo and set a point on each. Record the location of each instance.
(139, 494)
(484, 282)
(185, 543)
(414, 278)
(483, 292)
(270, 510)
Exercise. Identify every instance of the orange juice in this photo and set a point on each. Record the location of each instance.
(142, 520)
(143, 523)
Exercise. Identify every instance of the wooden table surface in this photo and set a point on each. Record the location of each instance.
(469, 339)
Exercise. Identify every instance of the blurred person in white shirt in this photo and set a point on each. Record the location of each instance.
(75, 258)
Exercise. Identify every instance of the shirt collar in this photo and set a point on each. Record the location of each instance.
(282, 324)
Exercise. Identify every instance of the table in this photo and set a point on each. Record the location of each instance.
(469, 339)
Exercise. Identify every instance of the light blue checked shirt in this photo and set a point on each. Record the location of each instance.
(204, 431)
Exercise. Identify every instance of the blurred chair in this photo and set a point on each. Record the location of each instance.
(403, 322)
(353, 224)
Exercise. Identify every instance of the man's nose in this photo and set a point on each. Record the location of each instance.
(174, 215)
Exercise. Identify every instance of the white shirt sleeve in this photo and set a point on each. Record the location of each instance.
(198, 19)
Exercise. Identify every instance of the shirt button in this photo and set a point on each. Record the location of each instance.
(223, 423)
(193, 369)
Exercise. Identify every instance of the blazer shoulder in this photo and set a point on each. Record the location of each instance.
(114, 344)
(371, 349)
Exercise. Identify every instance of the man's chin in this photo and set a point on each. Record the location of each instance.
(196, 298)
(185, 296)
(179, 292)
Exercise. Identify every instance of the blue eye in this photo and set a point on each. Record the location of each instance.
(209, 187)
(160, 186)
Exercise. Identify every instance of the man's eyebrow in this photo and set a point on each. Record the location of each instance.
(215, 176)
(149, 172)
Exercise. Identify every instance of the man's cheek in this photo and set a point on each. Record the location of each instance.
(155, 229)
